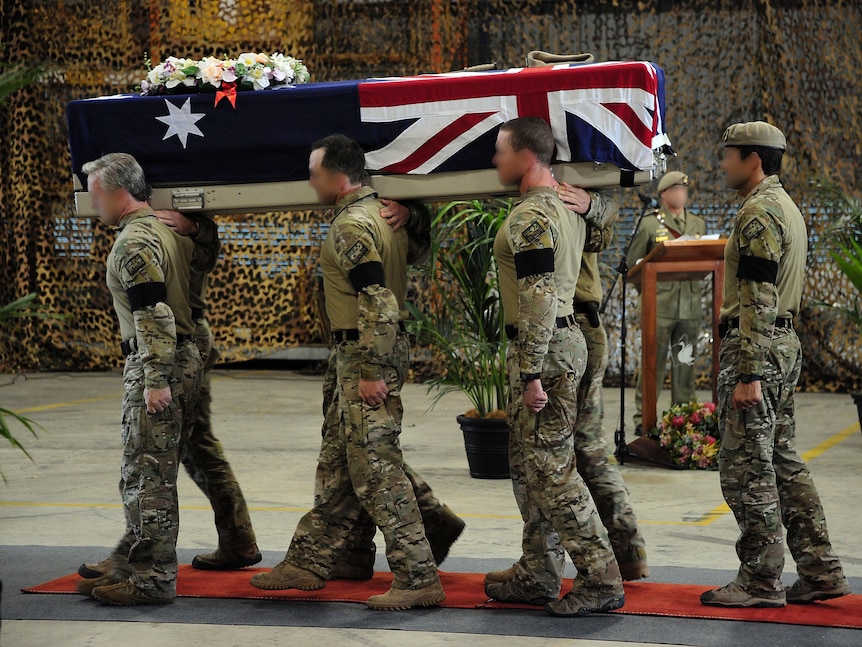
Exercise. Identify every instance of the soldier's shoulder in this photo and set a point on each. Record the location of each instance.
(650, 222)
(137, 235)
(357, 216)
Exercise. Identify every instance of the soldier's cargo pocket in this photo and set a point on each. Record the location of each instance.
(555, 423)
(162, 430)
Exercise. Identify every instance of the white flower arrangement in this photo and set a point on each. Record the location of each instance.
(249, 71)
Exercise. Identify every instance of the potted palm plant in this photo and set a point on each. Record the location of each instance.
(844, 242)
(462, 320)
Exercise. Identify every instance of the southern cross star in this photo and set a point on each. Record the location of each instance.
(181, 122)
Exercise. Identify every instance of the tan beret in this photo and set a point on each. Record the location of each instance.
(672, 178)
(754, 133)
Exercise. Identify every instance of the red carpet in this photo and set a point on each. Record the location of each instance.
(465, 591)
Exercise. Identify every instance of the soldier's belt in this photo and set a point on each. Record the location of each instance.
(731, 324)
(562, 322)
(352, 334)
(129, 346)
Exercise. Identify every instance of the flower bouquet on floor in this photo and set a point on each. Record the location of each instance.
(689, 432)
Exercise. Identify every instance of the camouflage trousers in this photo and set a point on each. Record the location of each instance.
(764, 480)
(360, 529)
(361, 470)
(205, 461)
(672, 334)
(153, 444)
(558, 511)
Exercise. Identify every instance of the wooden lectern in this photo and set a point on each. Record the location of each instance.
(674, 260)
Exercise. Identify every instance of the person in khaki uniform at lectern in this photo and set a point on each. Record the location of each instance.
(679, 312)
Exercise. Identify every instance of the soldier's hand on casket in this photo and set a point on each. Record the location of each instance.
(157, 400)
(181, 224)
(373, 393)
(534, 396)
(395, 214)
(575, 198)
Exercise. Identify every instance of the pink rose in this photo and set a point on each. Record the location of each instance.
(709, 406)
(695, 418)
(678, 421)
(710, 440)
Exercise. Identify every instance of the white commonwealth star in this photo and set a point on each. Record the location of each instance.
(181, 122)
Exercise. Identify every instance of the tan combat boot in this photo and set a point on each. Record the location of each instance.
(582, 602)
(517, 590)
(228, 559)
(100, 569)
(733, 595)
(88, 585)
(125, 594)
(803, 592)
(401, 599)
(288, 576)
(501, 576)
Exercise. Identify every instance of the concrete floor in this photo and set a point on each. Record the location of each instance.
(269, 423)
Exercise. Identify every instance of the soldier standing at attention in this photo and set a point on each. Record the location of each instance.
(364, 266)
(148, 276)
(538, 251)
(541, 568)
(679, 312)
(764, 481)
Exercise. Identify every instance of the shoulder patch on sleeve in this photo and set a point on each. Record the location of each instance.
(533, 231)
(356, 252)
(753, 229)
(134, 265)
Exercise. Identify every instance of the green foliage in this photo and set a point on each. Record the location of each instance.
(464, 320)
(6, 432)
(23, 307)
(26, 307)
(843, 240)
(15, 77)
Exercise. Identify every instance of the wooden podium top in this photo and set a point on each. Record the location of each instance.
(680, 260)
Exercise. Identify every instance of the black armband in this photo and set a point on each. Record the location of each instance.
(144, 295)
(748, 378)
(534, 261)
(529, 377)
(366, 274)
(754, 268)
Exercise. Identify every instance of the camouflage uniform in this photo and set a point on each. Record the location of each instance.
(591, 448)
(679, 312)
(538, 251)
(204, 458)
(360, 464)
(358, 547)
(148, 276)
(764, 481)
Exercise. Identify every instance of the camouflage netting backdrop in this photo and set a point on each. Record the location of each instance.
(794, 64)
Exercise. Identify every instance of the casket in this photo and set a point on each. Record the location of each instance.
(428, 137)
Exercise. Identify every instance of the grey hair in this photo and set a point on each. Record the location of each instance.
(119, 171)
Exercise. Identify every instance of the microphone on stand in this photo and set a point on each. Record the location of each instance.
(649, 201)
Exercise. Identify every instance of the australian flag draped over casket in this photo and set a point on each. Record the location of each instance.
(425, 137)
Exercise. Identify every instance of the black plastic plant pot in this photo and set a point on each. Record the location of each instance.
(486, 441)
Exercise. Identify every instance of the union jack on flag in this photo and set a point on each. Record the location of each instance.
(606, 112)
